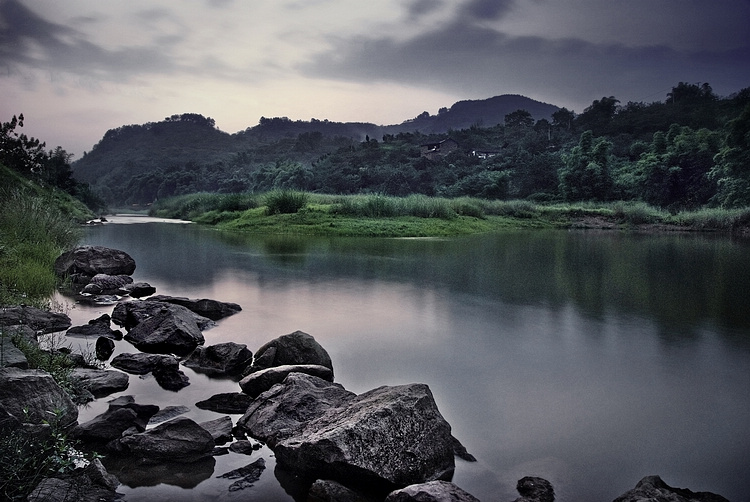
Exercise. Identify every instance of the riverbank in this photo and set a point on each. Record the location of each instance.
(290, 212)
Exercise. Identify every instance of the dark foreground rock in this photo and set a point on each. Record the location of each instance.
(432, 491)
(41, 321)
(213, 309)
(654, 489)
(129, 314)
(138, 289)
(140, 364)
(220, 429)
(178, 440)
(123, 414)
(223, 359)
(93, 484)
(534, 489)
(32, 396)
(84, 262)
(101, 382)
(326, 490)
(256, 383)
(170, 329)
(294, 348)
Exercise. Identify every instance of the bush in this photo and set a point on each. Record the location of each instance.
(285, 201)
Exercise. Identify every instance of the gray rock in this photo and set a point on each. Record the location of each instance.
(533, 489)
(284, 410)
(213, 309)
(220, 429)
(654, 489)
(244, 447)
(256, 383)
(144, 411)
(432, 491)
(246, 476)
(87, 261)
(140, 364)
(32, 396)
(104, 348)
(138, 289)
(106, 427)
(170, 330)
(294, 348)
(332, 491)
(223, 359)
(389, 436)
(229, 402)
(101, 382)
(10, 355)
(178, 440)
(169, 376)
(129, 314)
(168, 413)
(94, 484)
(41, 321)
(100, 326)
(104, 284)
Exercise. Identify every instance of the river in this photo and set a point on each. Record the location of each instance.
(589, 358)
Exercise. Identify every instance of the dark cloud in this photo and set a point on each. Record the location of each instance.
(487, 10)
(29, 40)
(469, 60)
(419, 8)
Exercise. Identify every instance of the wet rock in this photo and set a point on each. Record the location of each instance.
(100, 326)
(31, 395)
(654, 489)
(104, 284)
(244, 447)
(331, 491)
(432, 491)
(168, 413)
(104, 348)
(140, 364)
(129, 314)
(106, 427)
(93, 484)
(247, 476)
(284, 410)
(178, 440)
(10, 355)
(229, 402)
(138, 289)
(256, 383)
(169, 376)
(87, 261)
(533, 489)
(213, 309)
(137, 473)
(41, 321)
(144, 412)
(101, 382)
(294, 348)
(223, 359)
(220, 429)
(169, 330)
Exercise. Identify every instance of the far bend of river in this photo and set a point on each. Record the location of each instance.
(588, 358)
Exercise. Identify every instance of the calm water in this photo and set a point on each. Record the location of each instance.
(591, 359)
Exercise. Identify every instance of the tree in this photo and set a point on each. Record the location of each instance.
(519, 118)
(18, 151)
(732, 164)
(585, 174)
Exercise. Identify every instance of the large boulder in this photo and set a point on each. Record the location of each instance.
(170, 330)
(33, 396)
(654, 489)
(389, 436)
(432, 491)
(256, 383)
(122, 414)
(178, 440)
(105, 284)
(91, 484)
(84, 262)
(223, 359)
(282, 411)
(294, 348)
(41, 321)
(130, 314)
(213, 309)
(101, 382)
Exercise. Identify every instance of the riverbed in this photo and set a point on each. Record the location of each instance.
(589, 358)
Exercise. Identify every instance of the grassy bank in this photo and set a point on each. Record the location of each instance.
(422, 216)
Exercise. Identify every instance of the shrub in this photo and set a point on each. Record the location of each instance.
(285, 201)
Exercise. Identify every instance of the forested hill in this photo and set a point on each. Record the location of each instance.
(691, 149)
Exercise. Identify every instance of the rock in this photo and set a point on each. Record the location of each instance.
(256, 383)
(178, 440)
(244, 447)
(247, 476)
(653, 489)
(98, 300)
(32, 396)
(104, 348)
(331, 491)
(284, 410)
(106, 427)
(168, 413)
(96, 327)
(220, 429)
(129, 314)
(533, 489)
(144, 412)
(87, 261)
(389, 436)
(104, 284)
(136, 473)
(230, 402)
(10, 355)
(138, 289)
(41, 321)
(140, 364)
(101, 382)
(212, 309)
(294, 348)
(432, 491)
(169, 376)
(93, 484)
(171, 330)
(223, 359)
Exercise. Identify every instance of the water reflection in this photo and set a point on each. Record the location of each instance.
(591, 359)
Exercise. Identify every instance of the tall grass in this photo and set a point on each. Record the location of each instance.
(193, 205)
(33, 233)
(285, 201)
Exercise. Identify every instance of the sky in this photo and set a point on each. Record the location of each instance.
(77, 68)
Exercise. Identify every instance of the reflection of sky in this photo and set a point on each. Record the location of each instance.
(591, 395)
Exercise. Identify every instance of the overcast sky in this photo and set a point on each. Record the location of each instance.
(77, 68)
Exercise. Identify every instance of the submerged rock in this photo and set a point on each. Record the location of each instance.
(654, 489)
(228, 402)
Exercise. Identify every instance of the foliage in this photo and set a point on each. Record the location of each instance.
(285, 201)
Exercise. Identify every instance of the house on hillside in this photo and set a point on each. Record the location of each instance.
(485, 154)
(439, 149)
